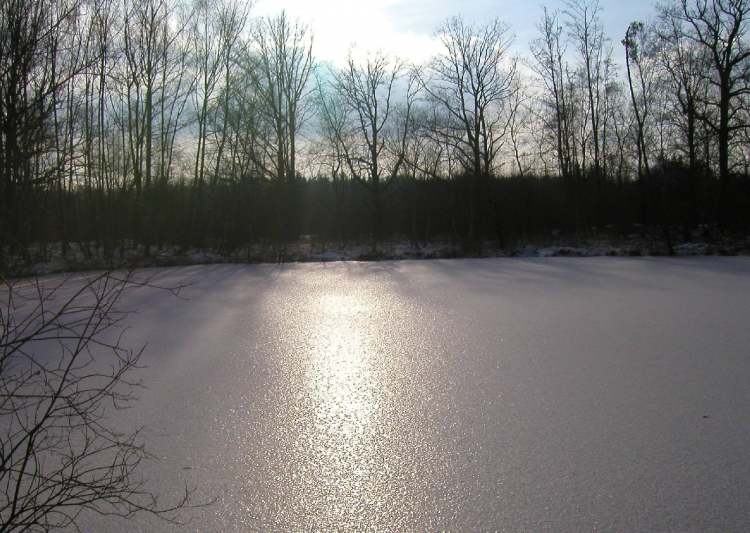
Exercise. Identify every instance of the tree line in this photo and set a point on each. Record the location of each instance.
(195, 123)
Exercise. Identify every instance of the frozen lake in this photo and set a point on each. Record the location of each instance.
(497, 394)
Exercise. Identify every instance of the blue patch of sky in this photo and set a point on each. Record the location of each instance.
(424, 16)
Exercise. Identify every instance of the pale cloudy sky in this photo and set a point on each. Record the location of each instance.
(405, 27)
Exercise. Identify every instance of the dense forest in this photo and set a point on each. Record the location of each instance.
(196, 123)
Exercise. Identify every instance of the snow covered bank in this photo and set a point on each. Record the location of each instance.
(80, 257)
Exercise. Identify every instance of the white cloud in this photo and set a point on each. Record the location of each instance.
(405, 27)
(340, 24)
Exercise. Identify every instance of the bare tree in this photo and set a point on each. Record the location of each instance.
(147, 43)
(548, 51)
(233, 22)
(686, 65)
(215, 31)
(620, 120)
(216, 28)
(427, 154)
(63, 368)
(281, 72)
(584, 27)
(333, 144)
(640, 67)
(144, 23)
(372, 140)
(720, 27)
(279, 65)
(519, 118)
(35, 71)
(98, 42)
(246, 154)
(472, 79)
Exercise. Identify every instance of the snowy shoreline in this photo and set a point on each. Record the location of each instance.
(82, 256)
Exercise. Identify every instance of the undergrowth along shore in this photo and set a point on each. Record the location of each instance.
(41, 260)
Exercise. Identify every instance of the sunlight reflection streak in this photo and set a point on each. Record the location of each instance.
(343, 386)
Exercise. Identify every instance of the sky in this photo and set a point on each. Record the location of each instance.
(405, 27)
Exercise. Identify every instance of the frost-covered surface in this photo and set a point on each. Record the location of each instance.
(51, 258)
(555, 394)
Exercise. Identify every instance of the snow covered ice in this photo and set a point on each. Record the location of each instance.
(534, 394)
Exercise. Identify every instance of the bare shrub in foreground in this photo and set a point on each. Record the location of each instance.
(63, 371)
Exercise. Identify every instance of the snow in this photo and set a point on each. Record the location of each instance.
(554, 394)
(51, 258)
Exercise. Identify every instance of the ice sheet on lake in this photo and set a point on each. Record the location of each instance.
(522, 394)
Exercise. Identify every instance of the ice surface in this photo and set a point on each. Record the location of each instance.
(554, 394)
